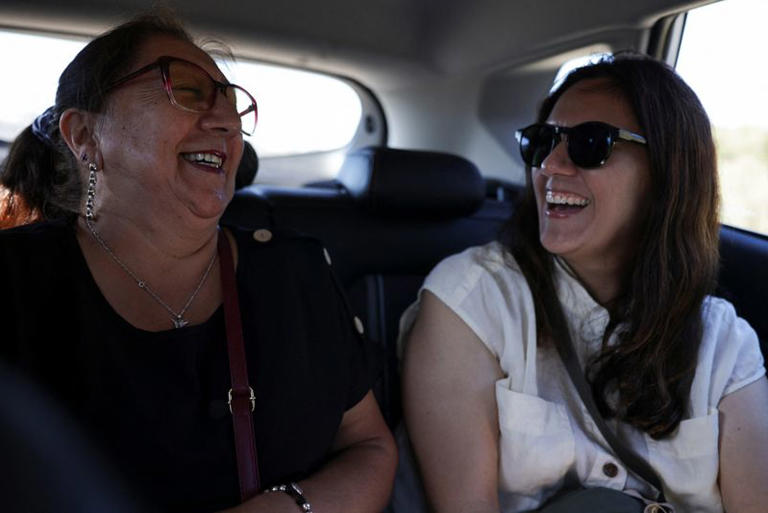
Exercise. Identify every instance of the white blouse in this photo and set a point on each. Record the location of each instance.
(548, 439)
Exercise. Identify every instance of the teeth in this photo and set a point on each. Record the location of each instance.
(559, 198)
(208, 159)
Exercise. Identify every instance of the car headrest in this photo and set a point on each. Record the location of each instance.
(395, 182)
(249, 165)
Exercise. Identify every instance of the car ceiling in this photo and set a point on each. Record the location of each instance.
(371, 40)
(456, 76)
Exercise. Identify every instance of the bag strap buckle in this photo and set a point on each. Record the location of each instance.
(252, 398)
(655, 507)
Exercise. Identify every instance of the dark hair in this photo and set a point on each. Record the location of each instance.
(40, 174)
(657, 317)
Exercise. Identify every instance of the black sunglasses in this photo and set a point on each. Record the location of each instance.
(189, 87)
(589, 144)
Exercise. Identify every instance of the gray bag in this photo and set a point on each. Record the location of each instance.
(588, 500)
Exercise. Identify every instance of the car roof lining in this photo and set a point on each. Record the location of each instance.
(383, 39)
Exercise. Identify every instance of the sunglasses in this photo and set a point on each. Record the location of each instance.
(589, 144)
(189, 87)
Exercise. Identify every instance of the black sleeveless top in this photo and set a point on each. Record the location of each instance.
(155, 403)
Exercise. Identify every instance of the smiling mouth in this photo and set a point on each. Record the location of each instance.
(564, 202)
(210, 159)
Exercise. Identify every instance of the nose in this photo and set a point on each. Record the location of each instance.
(558, 162)
(222, 117)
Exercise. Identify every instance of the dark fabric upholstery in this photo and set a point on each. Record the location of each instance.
(399, 183)
(744, 277)
(248, 167)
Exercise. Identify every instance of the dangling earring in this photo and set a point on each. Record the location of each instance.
(91, 194)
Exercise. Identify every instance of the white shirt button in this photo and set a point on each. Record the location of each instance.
(359, 325)
(262, 235)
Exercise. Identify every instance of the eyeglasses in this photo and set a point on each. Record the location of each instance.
(191, 88)
(589, 144)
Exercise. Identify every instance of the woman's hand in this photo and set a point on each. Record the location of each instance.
(450, 410)
(357, 479)
(744, 449)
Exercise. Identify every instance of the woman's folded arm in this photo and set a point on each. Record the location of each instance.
(357, 478)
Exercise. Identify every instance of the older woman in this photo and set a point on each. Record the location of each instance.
(612, 255)
(114, 302)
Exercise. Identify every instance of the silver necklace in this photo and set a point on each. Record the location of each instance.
(177, 318)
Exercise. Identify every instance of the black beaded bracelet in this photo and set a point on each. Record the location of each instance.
(296, 494)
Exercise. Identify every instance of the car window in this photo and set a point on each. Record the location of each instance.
(722, 59)
(31, 77)
(300, 113)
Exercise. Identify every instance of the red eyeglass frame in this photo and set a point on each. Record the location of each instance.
(163, 62)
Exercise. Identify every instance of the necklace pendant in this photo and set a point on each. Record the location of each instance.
(177, 318)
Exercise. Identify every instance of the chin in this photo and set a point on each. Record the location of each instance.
(560, 246)
(211, 209)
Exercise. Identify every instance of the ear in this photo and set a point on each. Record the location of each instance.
(77, 130)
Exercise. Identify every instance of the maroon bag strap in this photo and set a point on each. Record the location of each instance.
(241, 397)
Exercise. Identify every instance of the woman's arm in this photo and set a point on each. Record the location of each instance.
(450, 411)
(358, 478)
(744, 449)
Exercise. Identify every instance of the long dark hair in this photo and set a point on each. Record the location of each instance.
(40, 175)
(657, 317)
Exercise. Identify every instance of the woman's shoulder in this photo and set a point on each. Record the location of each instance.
(279, 242)
(35, 264)
(486, 265)
(484, 287)
(36, 239)
(43, 230)
(491, 258)
(730, 350)
(720, 319)
(277, 254)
